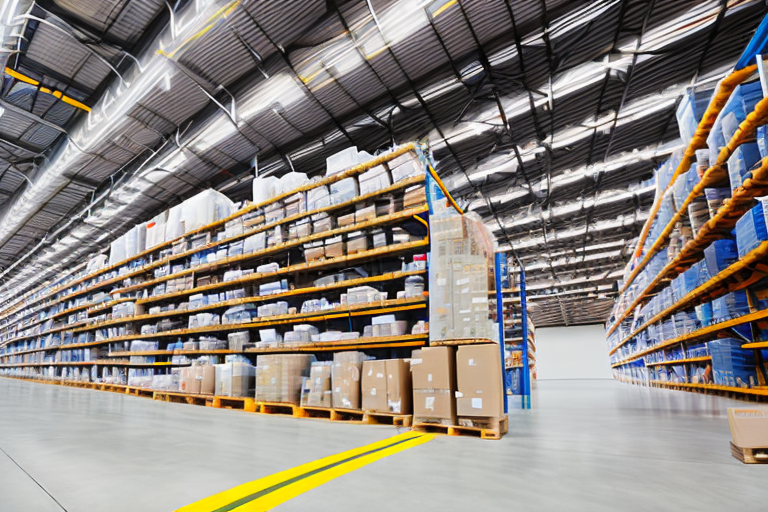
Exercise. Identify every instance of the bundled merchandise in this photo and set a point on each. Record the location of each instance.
(344, 190)
(345, 377)
(740, 163)
(279, 377)
(719, 255)
(235, 379)
(126, 309)
(264, 189)
(405, 166)
(434, 382)
(698, 214)
(704, 314)
(374, 180)
(198, 379)
(168, 382)
(362, 295)
(239, 314)
(204, 320)
(732, 365)
(762, 140)
(462, 260)
(750, 229)
(155, 230)
(715, 198)
(729, 306)
(316, 389)
(386, 386)
(690, 111)
(238, 340)
(345, 159)
(301, 333)
(385, 325)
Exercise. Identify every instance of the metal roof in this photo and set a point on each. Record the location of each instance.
(547, 117)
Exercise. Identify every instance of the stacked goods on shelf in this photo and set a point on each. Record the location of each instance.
(513, 331)
(699, 273)
(313, 266)
(460, 277)
(311, 297)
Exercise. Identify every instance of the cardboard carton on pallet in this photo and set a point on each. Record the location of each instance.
(479, 398)
(434, 382)
(386, 386)
(749, 434)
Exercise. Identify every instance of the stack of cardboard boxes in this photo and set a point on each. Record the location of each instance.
(386, 386)
(457, 388)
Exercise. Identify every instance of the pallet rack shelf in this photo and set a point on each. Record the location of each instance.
(645, 336)
(78, 330)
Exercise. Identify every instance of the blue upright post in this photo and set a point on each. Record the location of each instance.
(524, 317)
(497, 259)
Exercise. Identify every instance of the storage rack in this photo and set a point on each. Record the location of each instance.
(33, 332)
(511, 305)
(39, 335)
(645, 365)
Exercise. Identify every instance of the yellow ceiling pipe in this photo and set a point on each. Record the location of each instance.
(58, 94)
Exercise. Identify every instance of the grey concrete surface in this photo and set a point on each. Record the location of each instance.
(586, 445)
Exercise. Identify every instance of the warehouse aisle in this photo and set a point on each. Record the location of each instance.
(596, 445)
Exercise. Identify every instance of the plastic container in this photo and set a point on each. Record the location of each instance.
(414, 287)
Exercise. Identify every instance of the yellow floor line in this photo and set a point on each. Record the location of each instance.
(269, 492)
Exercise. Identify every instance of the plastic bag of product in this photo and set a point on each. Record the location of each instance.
(264, 188)
(290, 181)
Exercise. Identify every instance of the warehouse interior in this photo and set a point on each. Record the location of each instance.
(261, 254)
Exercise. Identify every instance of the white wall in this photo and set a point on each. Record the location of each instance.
(577, 352)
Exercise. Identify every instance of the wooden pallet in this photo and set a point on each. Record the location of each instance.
(143, 392)
(491, 428)
(323, 413)
(280, 409)
(333, 414)
(750, 455)
(115, 388)
(387, 418)
(183, 398)
(243, 403)
(351, 415)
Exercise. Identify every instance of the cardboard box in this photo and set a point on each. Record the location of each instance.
(346, 220)
(433, 370)
(357, 242)
(235, 379)
(749, 427)
(414, 197)
(478, 373)
(314, 251)
(365, 214)
(279, 377)
(198, 380)
(318, 385)
(345, 379)
(386, 386)
(374, 386)
(334, 247)
(399, 389)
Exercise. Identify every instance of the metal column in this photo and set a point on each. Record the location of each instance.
(524, 315)
(497, 262)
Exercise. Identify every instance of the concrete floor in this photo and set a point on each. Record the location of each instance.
(587, 445)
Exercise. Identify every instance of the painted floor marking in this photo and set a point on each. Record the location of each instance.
(268, 492)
